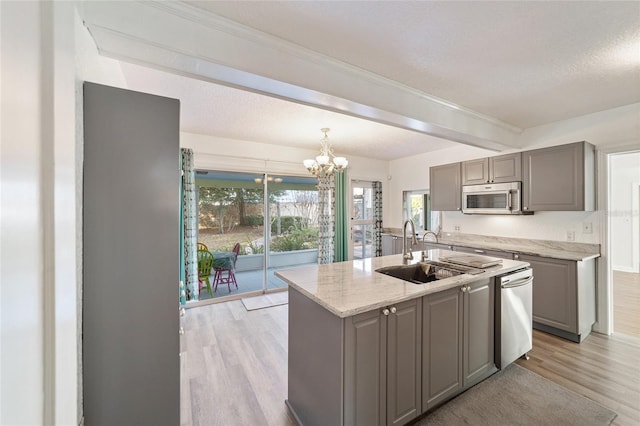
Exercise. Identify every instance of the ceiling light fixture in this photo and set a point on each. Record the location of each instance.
(325, 163)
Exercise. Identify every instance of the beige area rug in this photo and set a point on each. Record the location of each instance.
(266, 300)
(517, 396)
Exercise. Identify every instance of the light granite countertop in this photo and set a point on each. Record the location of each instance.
(349, 288)
(546, 248)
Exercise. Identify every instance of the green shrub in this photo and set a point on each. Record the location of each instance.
(254, 220)
(296, 239)
(289, 223)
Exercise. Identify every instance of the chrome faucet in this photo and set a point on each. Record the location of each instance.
(424, 248)
(430, 233)
(406, 253)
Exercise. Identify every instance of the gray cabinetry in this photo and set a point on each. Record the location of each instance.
(446, 188)
(457, 341)
(559, 178)
(478, 357)
(391, 244)
(563, 296)
(502, 168)
(360, 370)
(382, 365)
(442, 328)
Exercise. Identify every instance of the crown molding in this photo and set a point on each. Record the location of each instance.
(241, 57)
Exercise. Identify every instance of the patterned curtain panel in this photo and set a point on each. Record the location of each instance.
(377, 217)
(340, 201)
(326, 219)
(189, 224)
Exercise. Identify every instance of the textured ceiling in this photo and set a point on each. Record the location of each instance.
(525, 63)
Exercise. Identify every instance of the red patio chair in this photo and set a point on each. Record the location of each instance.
(225, 273)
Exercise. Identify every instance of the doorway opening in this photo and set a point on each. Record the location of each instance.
(253, 224)
(624, 228)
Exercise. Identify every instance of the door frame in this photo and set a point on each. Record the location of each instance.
(604, 291)
(353, 184)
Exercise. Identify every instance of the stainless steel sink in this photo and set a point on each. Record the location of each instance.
(423, 272)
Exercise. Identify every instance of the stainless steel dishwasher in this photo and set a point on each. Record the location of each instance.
(514, 316)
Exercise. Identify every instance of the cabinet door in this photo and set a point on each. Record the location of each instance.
(387, 244)
(478, 331)
(446, 191)
(404, 363)
(505, 168)
(441, 346)
(554, 178)
(365, 369)
(475, 172)
(554, 292)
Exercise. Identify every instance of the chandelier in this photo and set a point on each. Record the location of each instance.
(325, 163)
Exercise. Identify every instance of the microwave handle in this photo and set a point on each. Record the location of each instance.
(509, 203)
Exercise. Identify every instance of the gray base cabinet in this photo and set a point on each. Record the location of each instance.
(361, 370)
(457, 341)
(391, 244)
(563, 296)
(446, 187)
(382, 366)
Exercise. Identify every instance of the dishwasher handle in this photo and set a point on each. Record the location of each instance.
(518, 283)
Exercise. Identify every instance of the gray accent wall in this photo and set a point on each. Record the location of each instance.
(131, 373)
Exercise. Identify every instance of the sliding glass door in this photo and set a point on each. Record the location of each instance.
(253, 224)
(293, 218)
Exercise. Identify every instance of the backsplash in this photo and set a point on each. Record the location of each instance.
(554, 226)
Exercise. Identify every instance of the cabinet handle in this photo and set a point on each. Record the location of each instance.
(464, 289)
(478, 251)
(516, 257)
(393, 310)
(182, 312)
(385, 311)
(526, 208)
(181, 331)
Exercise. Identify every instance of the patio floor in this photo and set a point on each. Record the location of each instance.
(249, 281)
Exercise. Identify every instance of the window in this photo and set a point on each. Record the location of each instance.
(417, 207)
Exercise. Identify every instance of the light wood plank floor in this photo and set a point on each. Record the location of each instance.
(626, 303)
(234, 367)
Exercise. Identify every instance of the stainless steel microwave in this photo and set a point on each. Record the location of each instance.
(497, 198)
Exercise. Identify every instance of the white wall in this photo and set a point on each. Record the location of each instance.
(89, 66)
(42, 44)
(21, 257)
(623, 192)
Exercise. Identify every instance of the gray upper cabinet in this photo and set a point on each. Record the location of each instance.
(446, 188)
(382, 365)
(503, 168)
(563, 296)
(559, 178)
(457, 341)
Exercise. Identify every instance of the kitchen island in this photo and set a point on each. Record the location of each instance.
(367, 348)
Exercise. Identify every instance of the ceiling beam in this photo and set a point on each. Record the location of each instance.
(182, 39)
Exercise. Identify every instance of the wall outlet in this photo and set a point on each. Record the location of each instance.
(587, 228)
(457, 228)
(571, 235)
